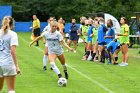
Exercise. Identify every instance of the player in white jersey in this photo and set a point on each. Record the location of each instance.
(54, 40)
(8, 62)
(45, 57)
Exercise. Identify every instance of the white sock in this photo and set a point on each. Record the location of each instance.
(55, 68)
(45, 60)
(11, 91)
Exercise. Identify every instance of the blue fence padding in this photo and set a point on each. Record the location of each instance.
(25, 26)
(43, 25)
(5, 11)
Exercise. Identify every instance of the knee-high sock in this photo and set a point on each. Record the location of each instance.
(93, 55)
(87, 53)
(37, 42)
(116, 58)
(45, 60)
(55, 68)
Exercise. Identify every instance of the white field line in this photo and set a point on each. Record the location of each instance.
(82, 74)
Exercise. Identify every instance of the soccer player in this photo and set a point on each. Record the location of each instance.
(124, 41)
(8, 61)
(36, 28)
(113, 48)
(45, 57)
(89, 40)
(110, 34)
(94, 39)
(84, 33)
(101, 41)
(61, 26)
(54, 40)
(73, 34)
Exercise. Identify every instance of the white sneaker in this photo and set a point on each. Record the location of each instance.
(74, 51)
(123, 64)
(89, 58)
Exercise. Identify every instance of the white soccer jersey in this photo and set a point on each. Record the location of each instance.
(47, 28)
(6, 41)
(53, 41)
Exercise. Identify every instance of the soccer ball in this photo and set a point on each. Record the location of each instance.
(62, 82)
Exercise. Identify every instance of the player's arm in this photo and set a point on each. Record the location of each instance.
(13, 53)
(65, 45)
(125, 34)
(38, 38)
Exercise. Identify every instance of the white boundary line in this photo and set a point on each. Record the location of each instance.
(82, 74)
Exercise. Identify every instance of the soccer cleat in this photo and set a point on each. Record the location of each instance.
(66, 74)
(51, 68)
(123, 64)
(44, 68)
(59, 75)
(115, 63)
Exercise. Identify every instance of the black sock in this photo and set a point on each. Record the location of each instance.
(85, 49)
(97, 58)
(87, 53)
(116, 58)
(91, 52)
(37, 43)
(93, 55)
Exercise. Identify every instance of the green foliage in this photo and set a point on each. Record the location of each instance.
(24, 9)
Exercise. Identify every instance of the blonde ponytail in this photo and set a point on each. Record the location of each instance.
(5, 24)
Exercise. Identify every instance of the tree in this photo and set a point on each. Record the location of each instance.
(68, 9)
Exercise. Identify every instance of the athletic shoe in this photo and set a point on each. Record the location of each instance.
(66, 74)
(74, 51)
(123, 64)
(44, 68)
(115, 63)
(51, 68)
(89, 58)
(59, 75)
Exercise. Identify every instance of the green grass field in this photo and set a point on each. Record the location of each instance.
(84, 76)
